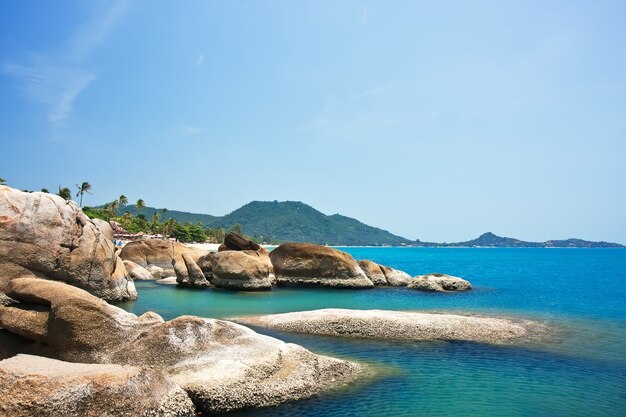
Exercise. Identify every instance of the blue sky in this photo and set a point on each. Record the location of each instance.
(434, 120)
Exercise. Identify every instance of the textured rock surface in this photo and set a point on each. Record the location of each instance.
(36, 386)
(242, 270)
(396, 325)
(174, 258)
(137, 272)
(395, 277)
(44, 236)
(221, 365)
(302, 264)
(439, 283)
(373, 272)
(104, 227)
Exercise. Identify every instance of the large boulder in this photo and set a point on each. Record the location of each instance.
(174, 258)
(373, 272)
(44, 236)
(104, 227)
(137, 272)
(306, 265)
(399, 325)
(395, 277)
(37, 386)
(242, 270)
(235, 241)
(437, 282)
(221, 365)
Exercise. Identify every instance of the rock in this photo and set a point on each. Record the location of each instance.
(174, 258)
(205, 263)
(242, 270)
(373, 272)
(235, 241)
(302, 264)
(397, 325)
(37, 386)
(167, 281)
(395, 277)
(137, 272)
(104, 227)
(221, 365)
(439, 283)
(44, 236)
(156, 271)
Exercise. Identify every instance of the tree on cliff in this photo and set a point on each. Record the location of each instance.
(2, 181)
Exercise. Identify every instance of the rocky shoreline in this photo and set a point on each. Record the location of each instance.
(65, 351)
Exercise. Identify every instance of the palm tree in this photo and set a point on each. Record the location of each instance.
(114, 205)
(123, 200)
(169, 227)
(65, 193)
(82, 189)
(154, 225)
(140, 205)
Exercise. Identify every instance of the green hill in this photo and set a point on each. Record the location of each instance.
(287, 221)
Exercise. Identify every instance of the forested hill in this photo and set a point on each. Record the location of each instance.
(287, 221)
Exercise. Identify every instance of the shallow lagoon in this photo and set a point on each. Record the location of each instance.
(580, 370)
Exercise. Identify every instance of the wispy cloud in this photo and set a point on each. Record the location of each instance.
(55, 79)
(200, 59)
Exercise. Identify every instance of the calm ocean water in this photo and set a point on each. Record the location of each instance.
(579, 371)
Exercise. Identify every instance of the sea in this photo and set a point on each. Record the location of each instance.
(578, 370)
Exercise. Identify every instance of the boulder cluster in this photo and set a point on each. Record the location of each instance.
(217, 365)
(44, 236)
(241, 264)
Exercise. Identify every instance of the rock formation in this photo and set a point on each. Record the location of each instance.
(395, 277)
(439, 283)
(44, 236)
(235, 241)
(397, 325)
(242, 270)
(36, 386)
(373, 272)
(137, 272)
(221, 365)
(174, 258)
(302, 264)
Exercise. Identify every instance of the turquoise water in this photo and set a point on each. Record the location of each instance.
(579, 371)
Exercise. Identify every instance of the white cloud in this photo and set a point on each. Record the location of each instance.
(57, 78)
(200, 59)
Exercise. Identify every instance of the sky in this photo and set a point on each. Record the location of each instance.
(434, 120)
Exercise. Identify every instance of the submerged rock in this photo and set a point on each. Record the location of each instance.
(221, 365)
(395, 325)
(44, 236)
(242, 270)
(37, 386)
(439, 283)
(306, 265)
(175, 259)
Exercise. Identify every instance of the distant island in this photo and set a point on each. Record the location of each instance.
(294, 221)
